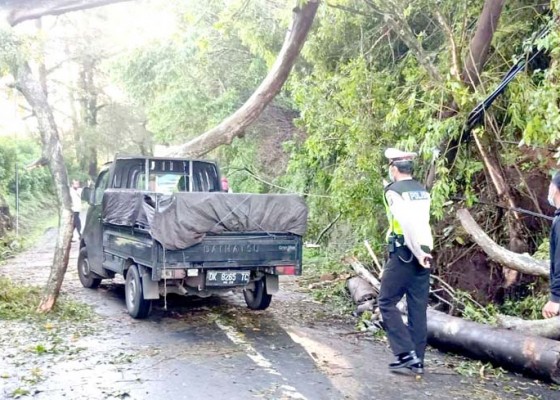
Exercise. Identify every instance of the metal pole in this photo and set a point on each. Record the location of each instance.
(17, 201)
(190, 176)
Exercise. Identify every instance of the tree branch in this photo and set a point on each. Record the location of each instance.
(548, 328)
(481, 41)
(455, 58)
(348, 9)
(235, 125)
(24, 10)
(523, 263)
(393, 15)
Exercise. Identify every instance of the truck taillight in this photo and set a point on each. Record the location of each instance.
(286, 270)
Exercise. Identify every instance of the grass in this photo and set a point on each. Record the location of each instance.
(317, 262)
(19, 302)
(37, 214)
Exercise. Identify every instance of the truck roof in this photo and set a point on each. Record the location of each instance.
(142, 157)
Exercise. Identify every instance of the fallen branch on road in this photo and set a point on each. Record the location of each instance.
(360, 290)
(523, 263)
(532, 355)
(548, 328)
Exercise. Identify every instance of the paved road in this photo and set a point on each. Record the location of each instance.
(212, 349)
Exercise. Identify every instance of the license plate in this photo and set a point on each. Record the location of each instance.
(227, 278)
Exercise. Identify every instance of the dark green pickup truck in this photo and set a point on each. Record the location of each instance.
(167, 227)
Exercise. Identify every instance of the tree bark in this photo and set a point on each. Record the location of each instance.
(531, 355)
(548, 328)
(372, 280)
(519, 262)
(235, 125)
(24, 10)
(51, 151)
(360, 290)
(480, 43)
(89, 110)
(363, 272)
(491, 158)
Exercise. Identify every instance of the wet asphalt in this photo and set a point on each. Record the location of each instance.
(214, 348)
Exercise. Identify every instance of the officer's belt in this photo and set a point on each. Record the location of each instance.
(399, 240)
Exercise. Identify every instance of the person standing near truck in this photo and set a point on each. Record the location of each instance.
(76, 195)
(552, 307)
(410, 243)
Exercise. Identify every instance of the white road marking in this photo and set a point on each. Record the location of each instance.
(288, 392)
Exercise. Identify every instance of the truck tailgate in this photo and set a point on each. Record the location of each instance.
(238, 250)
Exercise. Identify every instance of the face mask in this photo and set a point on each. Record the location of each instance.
(391, 177)
(551, 200)
(550, 197)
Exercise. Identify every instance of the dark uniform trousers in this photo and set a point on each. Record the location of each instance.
(400, 278)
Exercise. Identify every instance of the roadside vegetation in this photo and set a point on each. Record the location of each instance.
(37, 213)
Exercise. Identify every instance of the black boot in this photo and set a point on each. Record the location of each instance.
(408, 360)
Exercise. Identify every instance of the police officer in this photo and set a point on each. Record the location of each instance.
(552, 307)
(407, 271)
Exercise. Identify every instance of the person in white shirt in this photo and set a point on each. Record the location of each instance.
(76, 195)
(407, 272)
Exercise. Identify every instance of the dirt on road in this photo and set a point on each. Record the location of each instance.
(216, 348)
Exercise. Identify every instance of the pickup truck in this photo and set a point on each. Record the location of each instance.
(167, 227)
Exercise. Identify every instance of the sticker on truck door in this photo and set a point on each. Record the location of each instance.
(227, 278)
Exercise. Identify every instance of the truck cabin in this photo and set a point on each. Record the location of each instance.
(165, 176)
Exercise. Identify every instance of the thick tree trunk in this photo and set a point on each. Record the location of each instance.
(92, 167)
(548, 328)
(52, 151)
(88, 111)
(531, 355)
(372, 280)
(523, 263)
(23, 10)
(474, 63)
(480, 43)
(235, 125)
(490, 157)
(360, 290)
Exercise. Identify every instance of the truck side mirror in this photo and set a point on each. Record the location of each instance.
(86, 195)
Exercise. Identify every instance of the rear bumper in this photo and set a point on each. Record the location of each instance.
(240, 251)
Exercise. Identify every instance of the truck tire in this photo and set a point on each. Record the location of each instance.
(136, 305)
(87, 278)
(257, 299)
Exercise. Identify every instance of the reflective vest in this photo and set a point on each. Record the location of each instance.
(408, 189)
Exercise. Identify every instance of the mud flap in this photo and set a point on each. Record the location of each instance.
(272, 285)
(150, 288)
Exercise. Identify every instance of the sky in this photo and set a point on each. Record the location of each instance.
(121, 27)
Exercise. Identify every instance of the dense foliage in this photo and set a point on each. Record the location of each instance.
(18, 153)
(358, 88)
(372, 74)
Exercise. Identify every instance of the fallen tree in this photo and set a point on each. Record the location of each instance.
(360, 289)
(33, 92)
(523, 263)
(362, 271)
(24, 10)
(531, 355)
(548, 328)
(235, 125)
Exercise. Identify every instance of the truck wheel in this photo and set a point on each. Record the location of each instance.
(257, 298)
(88, 278)
(136, 305)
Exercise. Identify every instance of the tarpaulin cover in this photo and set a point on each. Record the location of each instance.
(183, 219)
(122, 207)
